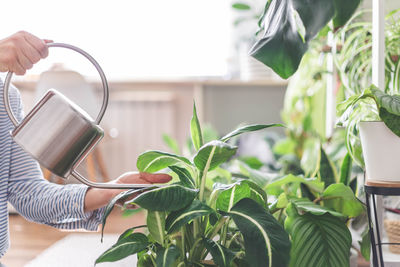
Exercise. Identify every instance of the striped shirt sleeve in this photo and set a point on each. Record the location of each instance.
(60, 206)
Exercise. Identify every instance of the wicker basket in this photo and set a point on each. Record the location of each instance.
(393, 231)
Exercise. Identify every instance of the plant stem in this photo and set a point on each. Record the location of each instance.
(204, 174)
(228, 244)
(183, 243)
(224, 232)
(217, 227)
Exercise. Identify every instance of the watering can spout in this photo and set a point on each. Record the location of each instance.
(58, 133)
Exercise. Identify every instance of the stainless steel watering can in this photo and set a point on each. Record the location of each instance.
(58, 133)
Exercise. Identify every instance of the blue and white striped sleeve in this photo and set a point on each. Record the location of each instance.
(60, 206)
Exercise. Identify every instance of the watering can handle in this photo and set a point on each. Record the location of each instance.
(80, 51)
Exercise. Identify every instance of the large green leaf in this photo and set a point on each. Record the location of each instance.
(249, 128)
(124, 247)
(318, 241)
(167, 256)
(312, 183)
(184, 176)
(221, 255)
(344, 10)
(168, 198)
(177, 219)
(152, 161)
(213, 154)
(341, 198)
(156, 225)
(289, 25)
(266, 242)
(236, 192)
(195, 130)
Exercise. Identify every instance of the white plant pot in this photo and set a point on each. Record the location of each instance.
(381, 150)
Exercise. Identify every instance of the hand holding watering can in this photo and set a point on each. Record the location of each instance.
(57, 132)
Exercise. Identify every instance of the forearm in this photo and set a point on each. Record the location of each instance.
(96, 198)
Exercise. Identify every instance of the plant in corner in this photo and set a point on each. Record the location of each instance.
(187, 224)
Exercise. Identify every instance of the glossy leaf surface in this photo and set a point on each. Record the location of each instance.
(213, 153)
(152, 161)
(266, 242)
(312, 183)
(167, 256)
(289, 25)
(156, 225)
(179, 218)
(318, 241)
(168, 198)
(221, 255)
(184, 176)
(124, 247)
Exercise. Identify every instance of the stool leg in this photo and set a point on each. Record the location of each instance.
(378, 237)
(371, 232)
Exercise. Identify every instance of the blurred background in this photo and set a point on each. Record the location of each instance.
(159, 56)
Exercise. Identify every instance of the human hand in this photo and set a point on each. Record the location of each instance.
(96, 197)
(20, 51)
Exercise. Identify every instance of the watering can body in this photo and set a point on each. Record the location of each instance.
(57, 133)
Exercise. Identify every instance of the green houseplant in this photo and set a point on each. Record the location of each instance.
(186, 222)
(235, 223)
(377, 114)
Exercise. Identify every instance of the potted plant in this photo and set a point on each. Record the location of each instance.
(378, 115)
(188, 224)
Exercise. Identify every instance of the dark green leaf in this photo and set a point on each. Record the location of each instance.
(345, 169)
(129, 232)
(145, 261)
(177, 219)
(344, 10)
(327, 171)
(318, 241)
(152, 161)
(266, 242)
(195, 130)
(341, 198)
(110, 206)
(156, 225)
(249, 128)
(125, 247)
(289, 26)
(236, 192)
(220, 254)
(392, 121)
(241, 6)
(168, 198)
(167, 256)
(184, 176)
(213, 154)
